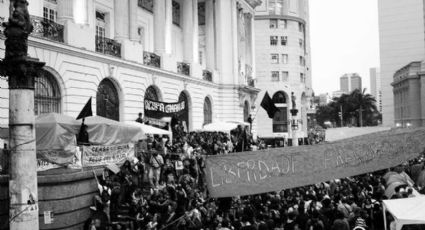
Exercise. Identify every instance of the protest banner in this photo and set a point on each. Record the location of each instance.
(159, 109)
(276, 169)
(98, 155)
(44, 164)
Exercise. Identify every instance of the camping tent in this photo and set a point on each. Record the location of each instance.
(147, 129)
(406, 211)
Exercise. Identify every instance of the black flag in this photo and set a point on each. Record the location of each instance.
(86, 112)
(268, 105)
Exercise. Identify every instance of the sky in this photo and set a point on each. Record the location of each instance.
(344, 38)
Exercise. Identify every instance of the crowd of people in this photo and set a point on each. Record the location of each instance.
(163, 187)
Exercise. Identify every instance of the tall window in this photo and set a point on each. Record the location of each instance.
(285, 58)
(47, 96)
(273, 23)
(100, 24)
(275, 58)
(280, 119)
(107, 100)
(176, 13)
(302, 61)
(285, 76)
(275, 75)
(283, 40)
(50, 10)
(302, 78)
(283, 24)
(301, 43)
(300, 27)
(207, 111)
(273, 40)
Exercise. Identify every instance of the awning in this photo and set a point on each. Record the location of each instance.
(147, 129)
(406, 211)
(222, 126)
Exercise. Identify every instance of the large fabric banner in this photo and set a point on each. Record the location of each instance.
(158, 109)
(103, 155)
(44, 165)
(276, 169)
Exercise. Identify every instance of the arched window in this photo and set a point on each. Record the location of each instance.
(184, 116)
(207, 111)
(107, 100)
(280, 119)
(151, 94)
(245, 111)
(47, 95)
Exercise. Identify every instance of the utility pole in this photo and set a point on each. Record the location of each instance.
(21, 71)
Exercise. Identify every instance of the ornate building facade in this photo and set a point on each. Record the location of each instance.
(283, 66)
(122, 51)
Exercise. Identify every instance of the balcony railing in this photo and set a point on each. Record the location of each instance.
(1, 25)
(44, 28)
(207, 75)
(108, 46)
(151, 59)
(183, 68)
(248, 71)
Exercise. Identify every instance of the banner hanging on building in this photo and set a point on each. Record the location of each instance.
(103, 155)
(43, 164)
(158, 109)
(276, 169)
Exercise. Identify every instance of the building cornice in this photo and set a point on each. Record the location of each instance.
(282, 17)
(254, 3)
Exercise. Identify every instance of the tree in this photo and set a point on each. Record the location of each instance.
(363, 103)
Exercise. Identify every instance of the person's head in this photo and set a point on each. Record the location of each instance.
(140, 115)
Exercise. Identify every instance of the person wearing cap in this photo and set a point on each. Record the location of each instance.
(156, 162)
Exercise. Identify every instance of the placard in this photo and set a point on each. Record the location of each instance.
(103, 155)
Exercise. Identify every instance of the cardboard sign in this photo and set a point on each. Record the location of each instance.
(103, 155)
(276, 169)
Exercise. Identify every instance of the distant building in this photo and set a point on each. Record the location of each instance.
(375, 87)
(282, 51)
(338, 93)
(322, 99)
(409, 95)
(349, 82)
(402, 35)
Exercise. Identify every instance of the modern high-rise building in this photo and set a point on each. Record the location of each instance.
(375, 87)
(402, 35)
(349, 82)
(283, 64)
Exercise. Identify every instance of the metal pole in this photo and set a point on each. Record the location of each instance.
(342, 116)
(21, 71)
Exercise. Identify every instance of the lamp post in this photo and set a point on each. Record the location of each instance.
(294, 123)
(21, 71)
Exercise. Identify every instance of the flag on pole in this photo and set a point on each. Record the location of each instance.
(86, 112)
(268, 105)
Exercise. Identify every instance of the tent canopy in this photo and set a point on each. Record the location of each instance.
(57, 131)
(222, 126)
(406, 210)
(148, 129)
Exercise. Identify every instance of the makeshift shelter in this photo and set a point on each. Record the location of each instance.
(148, 129)
(405, 211)
(222, 126)
(104, 131)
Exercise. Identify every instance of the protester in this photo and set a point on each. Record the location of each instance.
(174, 194)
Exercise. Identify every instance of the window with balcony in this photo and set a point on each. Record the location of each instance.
(283, 40)
(273, 40)
(284, 58)
(100, 24)
(275, 75)
(50, 11)
(176, 13)
(273, 24)
(275, 58)
(285, 76)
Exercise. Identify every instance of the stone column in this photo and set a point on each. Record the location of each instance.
(190, 31)
(162, 11)
(210, 34)
(121, 20)
(65, 11)
(133, 27)
(252, 39)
